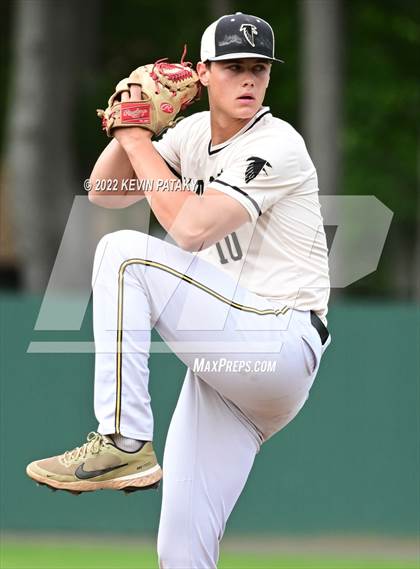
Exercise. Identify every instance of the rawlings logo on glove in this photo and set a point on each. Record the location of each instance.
(167, 107)
(166, 89)
(138, 113)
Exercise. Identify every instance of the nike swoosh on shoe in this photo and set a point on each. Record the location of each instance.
(85, 475)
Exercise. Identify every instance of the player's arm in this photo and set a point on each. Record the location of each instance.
(111, 178)
(164, 100)
(194, 222)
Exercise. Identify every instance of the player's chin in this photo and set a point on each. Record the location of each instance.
(246, 109)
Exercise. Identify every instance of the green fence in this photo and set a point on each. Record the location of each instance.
(347, 463)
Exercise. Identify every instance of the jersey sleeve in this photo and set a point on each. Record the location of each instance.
(259, 176)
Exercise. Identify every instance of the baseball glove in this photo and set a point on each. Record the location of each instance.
(166, 89)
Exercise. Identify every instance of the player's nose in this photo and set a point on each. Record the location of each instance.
(248, 80)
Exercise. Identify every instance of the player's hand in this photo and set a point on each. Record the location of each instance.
(132, 135)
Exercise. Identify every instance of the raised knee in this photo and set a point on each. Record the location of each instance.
(121, 240)
(117, 247)
(124, 236)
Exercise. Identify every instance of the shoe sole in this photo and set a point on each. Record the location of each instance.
(131, 483)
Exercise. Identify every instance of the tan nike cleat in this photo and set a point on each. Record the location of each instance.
(98, 465)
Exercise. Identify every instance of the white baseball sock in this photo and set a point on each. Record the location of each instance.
(127, 444)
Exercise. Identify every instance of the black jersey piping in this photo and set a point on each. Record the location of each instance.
(256, 120)
(254, 203)
(174, 172)
(211, 152)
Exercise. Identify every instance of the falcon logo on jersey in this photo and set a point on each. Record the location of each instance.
(254, 168)
(249, 30)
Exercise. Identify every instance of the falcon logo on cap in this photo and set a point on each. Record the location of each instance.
(249, 30)
(237, 36)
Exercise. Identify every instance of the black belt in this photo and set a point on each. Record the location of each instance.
(320, 327)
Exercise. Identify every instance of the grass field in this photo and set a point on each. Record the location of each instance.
(19, 555)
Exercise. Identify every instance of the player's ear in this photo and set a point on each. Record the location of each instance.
(203, 72)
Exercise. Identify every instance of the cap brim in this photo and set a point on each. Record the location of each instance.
(243, 56)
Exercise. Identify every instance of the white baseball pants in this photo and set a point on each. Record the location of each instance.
(250, 368)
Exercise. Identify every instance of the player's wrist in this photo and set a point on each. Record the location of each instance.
(133, 139)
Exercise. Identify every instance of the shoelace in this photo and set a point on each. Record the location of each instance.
(94, 443)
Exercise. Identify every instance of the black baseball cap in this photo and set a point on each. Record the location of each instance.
(238, 36)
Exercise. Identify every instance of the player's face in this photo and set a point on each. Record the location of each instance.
(237, 87)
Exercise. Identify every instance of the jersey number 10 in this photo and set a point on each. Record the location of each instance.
(233, 247)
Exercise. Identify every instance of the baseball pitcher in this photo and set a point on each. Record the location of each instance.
(240, 294)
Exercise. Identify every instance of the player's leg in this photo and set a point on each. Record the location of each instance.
(134, 277)
(100, 463)
(209, 453)
(140, 282)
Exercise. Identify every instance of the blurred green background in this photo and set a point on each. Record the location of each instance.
(348, 464)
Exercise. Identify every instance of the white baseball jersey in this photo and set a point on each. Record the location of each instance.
(281, 252)
(210, 321)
